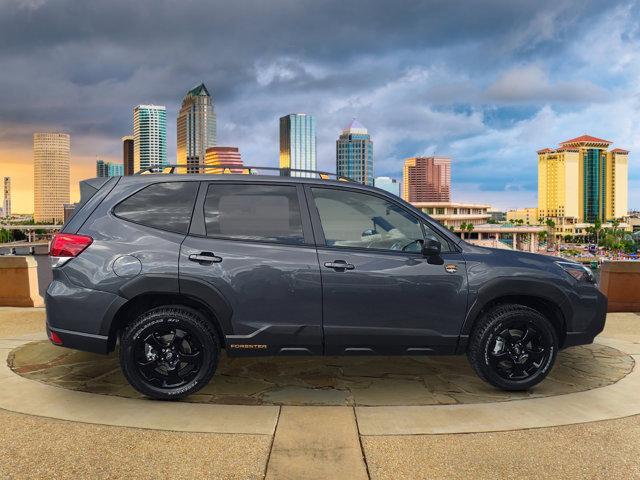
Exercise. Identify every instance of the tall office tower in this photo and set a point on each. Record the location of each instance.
(51, 157)
(6, 205)
(223, 156)
(354, 153)
(298, 143)
(581, 181)
(109, 169)
(196, 127)
(389, 184)
(426, 179)
(127, 154)
(149, 136)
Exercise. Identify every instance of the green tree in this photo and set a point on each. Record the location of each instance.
(5, 236)
(551, 225)
(463, 228)
(470, 227)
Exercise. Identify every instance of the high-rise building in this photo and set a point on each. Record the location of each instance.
(354, 153)
(298, 143)
(127, 154)
(389, 184)
(196, 127)
(51, 158)
(149, 136)
(426, 179)
(223, 156)
(109, 169)
(582, 180)
(6, 205)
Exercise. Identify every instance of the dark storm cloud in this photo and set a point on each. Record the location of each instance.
(418, 73)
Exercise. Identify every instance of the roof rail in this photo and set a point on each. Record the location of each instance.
(230, 168)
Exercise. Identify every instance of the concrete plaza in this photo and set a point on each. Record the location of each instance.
(66, 414)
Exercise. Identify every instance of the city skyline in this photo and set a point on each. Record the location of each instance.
(421, 81)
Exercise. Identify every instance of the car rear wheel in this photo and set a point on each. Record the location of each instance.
(513, 347)
(169, 352)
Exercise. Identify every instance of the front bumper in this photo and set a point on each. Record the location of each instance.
(81, 317)
(594, 324)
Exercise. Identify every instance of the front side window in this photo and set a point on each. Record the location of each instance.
(358, 220)
(167, 206)
(254, 212)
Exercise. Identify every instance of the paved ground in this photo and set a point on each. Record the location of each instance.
(315, 442)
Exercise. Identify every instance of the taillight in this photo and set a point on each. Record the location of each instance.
(68, 245)
(55, 339)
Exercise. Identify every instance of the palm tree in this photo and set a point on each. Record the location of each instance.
(469, 228)
(463, 227)
(550, 226)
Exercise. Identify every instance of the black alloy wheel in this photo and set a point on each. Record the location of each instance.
(169, 352)
(513, 347)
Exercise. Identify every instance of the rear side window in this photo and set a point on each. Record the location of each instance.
(254, 212)
(167, 206)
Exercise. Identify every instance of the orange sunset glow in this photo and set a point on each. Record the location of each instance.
(17, 163)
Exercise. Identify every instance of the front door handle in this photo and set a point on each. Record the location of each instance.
(339, 265)
(205, 258)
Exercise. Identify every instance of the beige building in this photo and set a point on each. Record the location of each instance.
(51, 157)
(529, 216)
(454, 214)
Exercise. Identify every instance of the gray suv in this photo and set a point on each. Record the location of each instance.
(174, 268)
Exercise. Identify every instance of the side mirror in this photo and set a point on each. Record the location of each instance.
(431, 247)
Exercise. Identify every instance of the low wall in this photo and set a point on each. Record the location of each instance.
(19, 282)
(620, 282)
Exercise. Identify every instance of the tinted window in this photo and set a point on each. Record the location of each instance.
(352, 219)
(167, 206)
(254, 212)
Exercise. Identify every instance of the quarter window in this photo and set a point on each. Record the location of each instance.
(167, 206)
(352, 219)
(254, 212)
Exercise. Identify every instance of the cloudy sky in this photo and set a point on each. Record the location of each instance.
(486, 83)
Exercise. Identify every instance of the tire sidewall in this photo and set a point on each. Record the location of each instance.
(498, 325)
(179, 317)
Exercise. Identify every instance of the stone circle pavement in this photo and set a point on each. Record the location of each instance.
(350, 381)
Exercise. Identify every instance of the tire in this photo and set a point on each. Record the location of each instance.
(513, 347)
(169, 352)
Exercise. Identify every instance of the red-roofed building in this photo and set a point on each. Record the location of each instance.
(585, 139)
(581, 181)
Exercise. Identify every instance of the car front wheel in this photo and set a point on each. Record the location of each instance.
(169, 352)
(513, 347)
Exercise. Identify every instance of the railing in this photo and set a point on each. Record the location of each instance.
(228, 168)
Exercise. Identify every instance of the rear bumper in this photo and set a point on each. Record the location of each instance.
(81, 317)
(593, 325)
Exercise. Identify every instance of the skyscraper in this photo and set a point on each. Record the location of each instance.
(581, 181)
(223, 156)
(51, 156)
(298, 143)
(127, 154)
(109, 169)
(426, 179)
(354, 153)
(389, 184)
(6, 205)
(149, 136)
(196, 127)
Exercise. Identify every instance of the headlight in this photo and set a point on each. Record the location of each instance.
(577, 271)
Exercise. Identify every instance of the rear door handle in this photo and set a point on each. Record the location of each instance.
(339, 265)
(205, 258)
